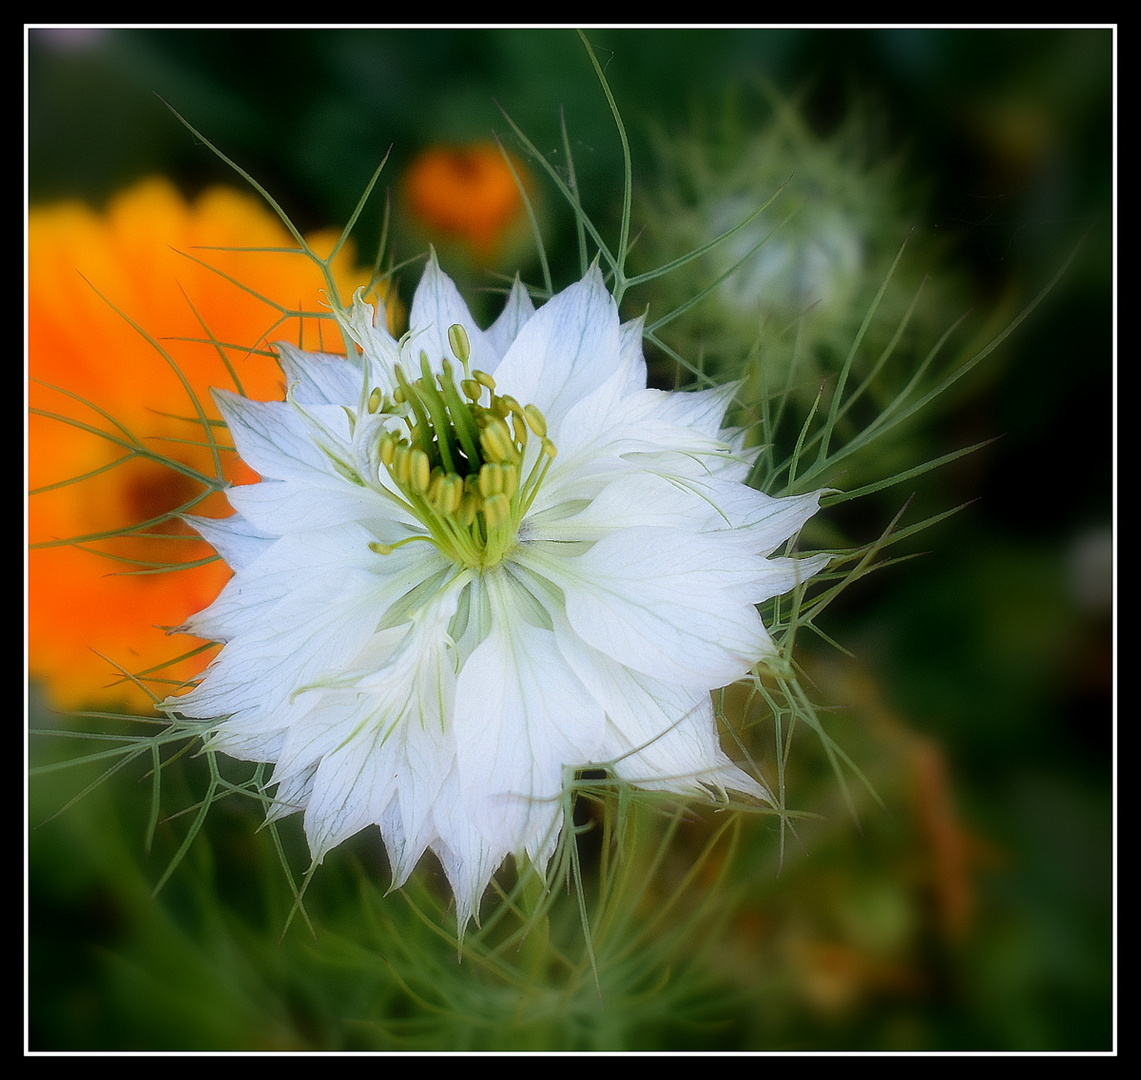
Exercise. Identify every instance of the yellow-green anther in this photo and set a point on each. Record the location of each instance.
(420, 469)
(490, 480)
(398, 395)
(469, 505)
(536, 420)
(401, 469)
(509, 475)
(451, 494)
(460, 459)
(496, 510)
(458, 340)
(388, 549)
(387, 448)
(496, 441)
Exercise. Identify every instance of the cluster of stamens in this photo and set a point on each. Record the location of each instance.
(460, 466)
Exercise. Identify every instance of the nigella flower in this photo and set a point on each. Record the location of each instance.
(476, 561)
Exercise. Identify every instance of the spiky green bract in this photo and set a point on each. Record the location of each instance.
(433, 616)
(810, 226)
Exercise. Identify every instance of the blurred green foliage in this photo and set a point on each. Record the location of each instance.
(981, 703)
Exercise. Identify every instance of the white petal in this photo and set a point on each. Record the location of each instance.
(254, 591)
(515, 315)
(522, 718)
(281, 507)
(672, 605)
(410, 822)
(756, 521)
(345, 783)
(379, 348)
(701, 411)
(466, 855)
(567, 349)
(320, 378)
(436, 307)
(630, 349)
(602, 426)
(271, 437)
(236, 539)
(305, 615)
(782, 575)
(406, 699)
(659, 736)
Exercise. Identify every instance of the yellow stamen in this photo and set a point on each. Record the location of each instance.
(419, 469)
(458, 340)
(535, 420)
(459, 469)
(496, 510)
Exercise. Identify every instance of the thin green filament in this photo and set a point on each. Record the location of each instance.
(460, 465)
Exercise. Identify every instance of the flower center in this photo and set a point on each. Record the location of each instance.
(460, 467)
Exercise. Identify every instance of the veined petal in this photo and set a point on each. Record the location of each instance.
(347, 784)
(599, 427)
(320, 378)
(271, 437)
(235, 538)
(516, 313)
(380, 349)
(565, 350)
(367, 735)
(308, 611)
(281, 507)
(410, 821)
(702, 411)
(633, 360)
(740, 514)
(522, 717)
(659, 736)
(389, 582)
(782, 575)
(468, 858)
(671, 605)
(436, 307)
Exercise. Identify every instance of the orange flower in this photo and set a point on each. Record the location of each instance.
(85, 615)
(466, 195)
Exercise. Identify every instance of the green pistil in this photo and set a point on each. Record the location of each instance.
(460, 466)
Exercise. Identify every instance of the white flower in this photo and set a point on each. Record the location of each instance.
(435, 617)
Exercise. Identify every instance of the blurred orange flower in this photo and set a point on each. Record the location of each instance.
(467, 195)
(87, 617)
